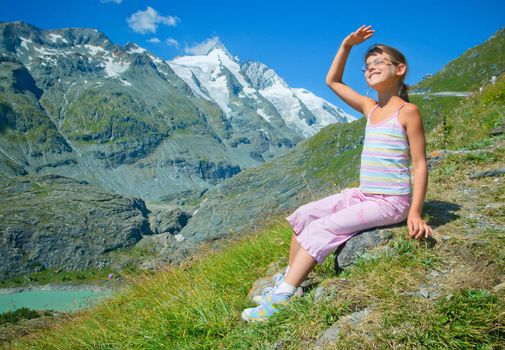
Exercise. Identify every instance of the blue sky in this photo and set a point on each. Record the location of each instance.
(297, 39)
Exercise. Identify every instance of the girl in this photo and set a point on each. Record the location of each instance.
(394, 135)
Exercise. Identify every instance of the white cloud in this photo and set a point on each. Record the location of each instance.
(147, 21)
(154, 41)
(172, 42)
(114, 1)
(203, 47)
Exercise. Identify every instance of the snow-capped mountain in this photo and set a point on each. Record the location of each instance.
(211, 75)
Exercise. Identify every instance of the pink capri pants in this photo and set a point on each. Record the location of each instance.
(323, 225)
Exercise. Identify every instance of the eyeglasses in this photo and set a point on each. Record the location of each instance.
(377, 62)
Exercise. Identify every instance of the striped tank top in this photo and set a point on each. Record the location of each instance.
(385, 158)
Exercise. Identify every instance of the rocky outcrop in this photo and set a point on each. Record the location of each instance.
(53, 222)
(168, 220)
(164, 249)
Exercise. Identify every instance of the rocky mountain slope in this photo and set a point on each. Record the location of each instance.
(135, 124)
(55, 222)
(79, 111)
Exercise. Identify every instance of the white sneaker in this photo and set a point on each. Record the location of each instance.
(267, 291)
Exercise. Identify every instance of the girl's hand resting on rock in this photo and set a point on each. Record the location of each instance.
(418, 227)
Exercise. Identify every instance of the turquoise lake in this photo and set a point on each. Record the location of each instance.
(59, 300)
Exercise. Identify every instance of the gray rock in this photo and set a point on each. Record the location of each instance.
(498, 130)
(150, 265)
(356, 318)
(160, 244)
(330, 336)
(319, 293)
(493, 172)
(168, 220)
(259, 285)
(436, 157)
(424, 293)
(494, 205)
(278, 345)
(329, 291)
(166, 248)
(363, 242)
(499, 287)
(427, 292)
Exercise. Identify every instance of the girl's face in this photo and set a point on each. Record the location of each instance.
(381, 72)
(379, 69)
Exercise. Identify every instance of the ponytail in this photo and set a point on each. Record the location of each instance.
(403, 92)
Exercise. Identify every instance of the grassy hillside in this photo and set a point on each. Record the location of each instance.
(448, 292)
(474, 68)
(442, 293)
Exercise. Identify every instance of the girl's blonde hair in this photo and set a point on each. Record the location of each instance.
(397, 57)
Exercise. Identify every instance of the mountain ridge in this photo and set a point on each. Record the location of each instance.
(66, 89)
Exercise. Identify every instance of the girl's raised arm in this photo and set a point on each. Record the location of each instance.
(334, 76)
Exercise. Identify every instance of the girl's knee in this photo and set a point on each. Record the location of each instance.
(303, 213)
(305, 207)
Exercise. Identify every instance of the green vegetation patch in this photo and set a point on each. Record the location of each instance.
(57, 276)
(18, 315)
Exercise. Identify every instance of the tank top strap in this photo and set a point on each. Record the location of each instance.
(398, 111)
(396, 119)
(370, 113)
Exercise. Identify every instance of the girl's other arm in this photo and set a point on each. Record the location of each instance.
(334, 77)
(415, 134)
(334, 81)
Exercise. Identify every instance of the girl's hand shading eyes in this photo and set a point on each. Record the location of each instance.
(357, 37)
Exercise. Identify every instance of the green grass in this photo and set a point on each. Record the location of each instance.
(17, 315)
(198, 305)
(468, 123)
(465, 320)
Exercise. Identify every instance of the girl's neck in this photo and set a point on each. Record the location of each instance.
(387, 99)
(388, 95)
